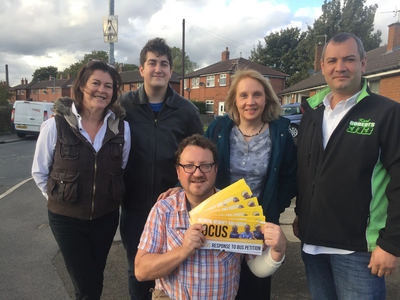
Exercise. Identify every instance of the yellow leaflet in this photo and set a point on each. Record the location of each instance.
(238, 190)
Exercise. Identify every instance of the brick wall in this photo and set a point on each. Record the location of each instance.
(389, 87)
(278, 84)
(218, 93)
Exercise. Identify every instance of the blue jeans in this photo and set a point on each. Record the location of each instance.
(343, 277)
(131, 227)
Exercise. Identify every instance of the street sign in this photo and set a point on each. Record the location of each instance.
(110, 29)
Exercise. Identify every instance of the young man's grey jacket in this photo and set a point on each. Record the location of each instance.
(151, 166)
(349, 192)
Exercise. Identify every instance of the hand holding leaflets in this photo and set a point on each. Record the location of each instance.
(232, 220)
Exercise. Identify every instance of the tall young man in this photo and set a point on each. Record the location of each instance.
(348, 207)
(159, 119)
(170, 248)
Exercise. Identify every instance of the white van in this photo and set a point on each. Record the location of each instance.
(27, 116)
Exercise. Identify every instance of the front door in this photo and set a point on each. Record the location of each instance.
(221, 108)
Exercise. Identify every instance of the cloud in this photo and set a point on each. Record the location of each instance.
(39, 33)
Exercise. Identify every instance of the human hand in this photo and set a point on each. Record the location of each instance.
(169, 192)
(193, 239)
(275, 238)
(382, 263)
(295, 226)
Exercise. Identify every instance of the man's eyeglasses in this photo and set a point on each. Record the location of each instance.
(204, 168)
(93, 60)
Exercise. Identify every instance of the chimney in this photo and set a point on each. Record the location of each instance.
(225, 55)
(394, 36)
(69, 76)
(7, 82)
(318, 53)
(26, 81)
(61, 77)
(121, 67)
(22, 81)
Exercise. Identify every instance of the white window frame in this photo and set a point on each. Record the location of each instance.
(195, 82)
(185, 84)
(59, 91)
(210, 81)
(222, 80)
(18, 92)
(139, 84)
(209, 102)
(53, 91)
(44, 91)
(22, 92)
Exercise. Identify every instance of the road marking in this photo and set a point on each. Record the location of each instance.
(14, 188)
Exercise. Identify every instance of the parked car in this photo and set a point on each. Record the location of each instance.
(294, 113)
(27, 116)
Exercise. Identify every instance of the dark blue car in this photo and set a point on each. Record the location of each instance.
(294, 113)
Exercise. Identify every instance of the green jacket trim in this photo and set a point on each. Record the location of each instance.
(379, 204)
(318, 98)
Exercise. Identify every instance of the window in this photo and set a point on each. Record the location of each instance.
(44, 91)
(374, 86)
(185, 84)
(18, 92)
(35, 92)
(139, 84)
(53, 90)
(211, 81)
(222, 80)
(195, 83)
(22, 92)
(59, 91)
(266, 77)
(39, 92)
(209, 106)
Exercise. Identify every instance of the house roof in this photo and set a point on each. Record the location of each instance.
(229, 66)
(378, 61)
(134, 77)
(45, 84)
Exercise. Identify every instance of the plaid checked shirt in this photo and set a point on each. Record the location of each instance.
(209, 274)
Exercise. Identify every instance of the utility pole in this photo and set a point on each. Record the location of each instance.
(111, 45)
(183, 58)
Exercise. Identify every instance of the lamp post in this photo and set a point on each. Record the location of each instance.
(54, 86)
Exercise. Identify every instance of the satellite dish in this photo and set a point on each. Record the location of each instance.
(310, 71)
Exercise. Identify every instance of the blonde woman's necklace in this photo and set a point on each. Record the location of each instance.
(252, 134)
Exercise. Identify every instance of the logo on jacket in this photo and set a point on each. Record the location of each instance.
(364, 127)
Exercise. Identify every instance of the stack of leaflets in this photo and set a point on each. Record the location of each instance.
(233, 220)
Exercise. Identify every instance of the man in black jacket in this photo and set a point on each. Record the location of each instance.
(348, 204)
(159, 119)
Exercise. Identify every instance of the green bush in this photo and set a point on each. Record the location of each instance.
(5, 119)
(200, 105)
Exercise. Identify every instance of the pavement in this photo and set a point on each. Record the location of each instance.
(46, 276)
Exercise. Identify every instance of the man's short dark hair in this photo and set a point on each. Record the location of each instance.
(158, 47)
(342, 37)
(199, 141)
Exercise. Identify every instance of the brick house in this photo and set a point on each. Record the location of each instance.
(382, 72)
(43, 91)
(211, 84)
(132, 80)
(50, 90)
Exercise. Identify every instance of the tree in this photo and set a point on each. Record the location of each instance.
(130, 67)
(5, 95)
(74, 68)
(44, 73)
(280, 51)
(353, 17)
(190, 66)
